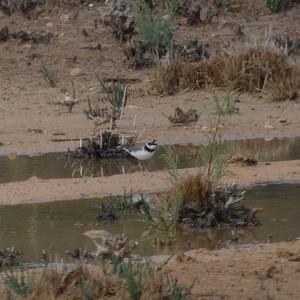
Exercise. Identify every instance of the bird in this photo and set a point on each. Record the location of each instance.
(144, 153)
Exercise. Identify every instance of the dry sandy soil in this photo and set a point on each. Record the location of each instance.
(25, 95)
(269, 271)
(266, 272)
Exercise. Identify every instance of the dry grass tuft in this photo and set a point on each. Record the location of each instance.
(207, 204)
(196, 191)
(83, 282)
(248, 68)
(170, 77)
(129, 281)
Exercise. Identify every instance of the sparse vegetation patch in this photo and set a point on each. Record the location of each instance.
(248, 69)
(274, 5)
(105, 145)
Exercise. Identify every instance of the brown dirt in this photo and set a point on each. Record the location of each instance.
(269, 271)
(26, 96)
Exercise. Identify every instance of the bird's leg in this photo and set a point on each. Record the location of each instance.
(142, 167)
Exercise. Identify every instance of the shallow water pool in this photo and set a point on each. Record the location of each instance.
(59, 226)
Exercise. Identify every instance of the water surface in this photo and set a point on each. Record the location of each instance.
(54, 165)
(59, 226)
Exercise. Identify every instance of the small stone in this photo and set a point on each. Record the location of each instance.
(268, 126)
(282, 121)
(205, 129)
(75, 72)
(49, 25)
(27, 46)
(65, 18)
(97, 234)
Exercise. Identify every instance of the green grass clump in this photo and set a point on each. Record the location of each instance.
(49, 76)
(274, 5)
(156, 26)
(20, 284)
(117, 95)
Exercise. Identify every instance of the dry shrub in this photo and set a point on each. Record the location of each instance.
(90, 282)
(173, 76)
(257, 7)
(253, 7)
(288, 88)
(206, 204)
(196, 191)
(247, 68)
(84, 281)
(69, 3)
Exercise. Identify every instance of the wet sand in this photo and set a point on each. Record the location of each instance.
(37, 190)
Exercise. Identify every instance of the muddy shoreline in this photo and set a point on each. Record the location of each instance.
(37, 190)
(172, 136)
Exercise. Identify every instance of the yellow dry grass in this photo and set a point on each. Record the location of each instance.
(196, 191)
(248, 69)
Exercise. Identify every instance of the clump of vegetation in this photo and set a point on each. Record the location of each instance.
(105, 145)
(20, 283)
(49, 76)
(69, 100)
(248, 68)
(117, 95)
(228, 106)
(174, 75)
(200, 200)
(207, 204)
(227, 4)
(156, 25)
(164, 217)
(9, 257)
(274, 5)
(98, 114)
(116, 278)
(25, 6)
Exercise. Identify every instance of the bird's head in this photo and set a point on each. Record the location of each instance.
(152, 145)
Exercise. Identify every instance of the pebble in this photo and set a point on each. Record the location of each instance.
(65, 18)
(97, 234)
(27, 46)
(75, 72)
(268, 126)
(49, 25)
(282, 121)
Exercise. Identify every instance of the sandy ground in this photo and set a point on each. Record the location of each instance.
(39, 190)
(269, 271)
(264, 272)
(26, 97)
